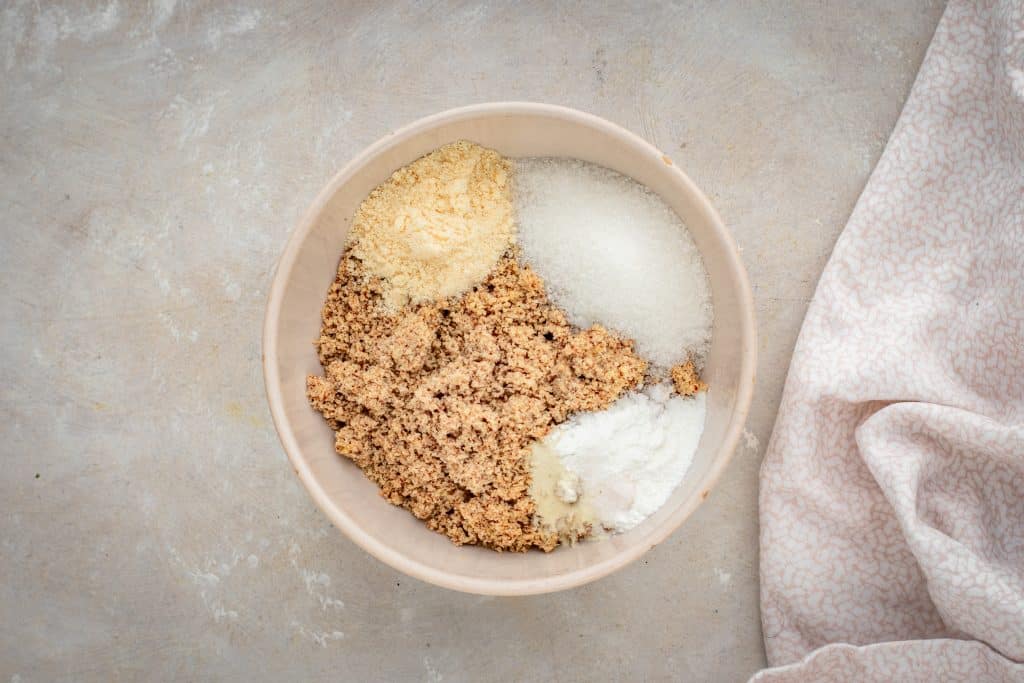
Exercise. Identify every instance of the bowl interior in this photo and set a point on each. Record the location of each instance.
(308, 268)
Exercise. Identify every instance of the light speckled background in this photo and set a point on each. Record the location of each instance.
(153, 158)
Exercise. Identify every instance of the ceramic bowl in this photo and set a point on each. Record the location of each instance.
(307, 268)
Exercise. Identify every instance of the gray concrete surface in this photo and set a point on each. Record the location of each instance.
(153, 158)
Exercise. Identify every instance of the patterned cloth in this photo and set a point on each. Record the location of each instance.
(892, 492)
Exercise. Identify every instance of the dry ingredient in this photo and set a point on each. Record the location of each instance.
(557, 492)
(630, 457)
(613, 253)
(437, 226)
(439, 403)
(454, 383)
(686, 380)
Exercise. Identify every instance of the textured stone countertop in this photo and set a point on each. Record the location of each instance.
(153, 159)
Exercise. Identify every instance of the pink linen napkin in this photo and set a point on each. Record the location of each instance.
(892, 491)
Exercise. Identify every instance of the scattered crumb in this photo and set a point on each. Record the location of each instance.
(439, 402)
(686, 380)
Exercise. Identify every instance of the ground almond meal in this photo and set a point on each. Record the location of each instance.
(439, 402)
(686, 380)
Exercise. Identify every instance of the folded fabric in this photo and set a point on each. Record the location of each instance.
(892, 492)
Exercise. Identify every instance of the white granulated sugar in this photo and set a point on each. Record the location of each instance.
(630, 457)
(612, 252)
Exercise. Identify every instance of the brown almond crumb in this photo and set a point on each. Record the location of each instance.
(438, 403)
(686, 380)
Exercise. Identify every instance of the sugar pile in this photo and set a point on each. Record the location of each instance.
(631, 456)
(613, 253)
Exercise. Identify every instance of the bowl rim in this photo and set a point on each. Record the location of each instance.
(410, 565)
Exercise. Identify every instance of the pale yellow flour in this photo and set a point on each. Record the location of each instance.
(438, 226)
(562, 507)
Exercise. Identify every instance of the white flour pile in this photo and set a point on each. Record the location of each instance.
(612, 252)
(630, 457)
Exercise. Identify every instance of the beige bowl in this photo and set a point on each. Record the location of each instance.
(307, 269)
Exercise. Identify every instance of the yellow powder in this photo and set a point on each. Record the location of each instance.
(436, 227)
(562, 507)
